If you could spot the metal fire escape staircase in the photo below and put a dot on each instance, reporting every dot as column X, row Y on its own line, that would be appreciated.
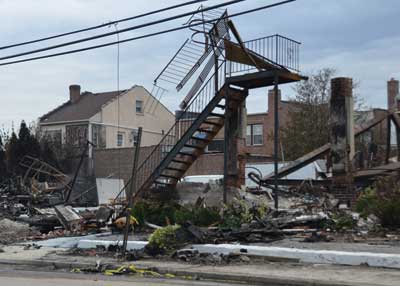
column 203, row 109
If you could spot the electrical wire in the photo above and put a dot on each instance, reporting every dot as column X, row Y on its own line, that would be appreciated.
column 152, row 23
column 102, row 25
column 146, row 35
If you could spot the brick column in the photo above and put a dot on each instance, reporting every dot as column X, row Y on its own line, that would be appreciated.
column 241, row 143
column 392, row 92
column 342, row 138
column 394, row 105
column 235, row 125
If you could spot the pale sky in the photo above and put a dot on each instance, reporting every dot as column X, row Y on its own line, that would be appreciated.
column 359, row 38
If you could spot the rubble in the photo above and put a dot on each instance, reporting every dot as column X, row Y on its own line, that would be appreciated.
column 69, row 218
column 11, row 231
column 193, row 256
column 307, row 213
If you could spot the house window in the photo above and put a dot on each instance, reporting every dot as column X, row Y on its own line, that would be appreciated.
column 139, row 106
column 95, row 135
column 76, row 135
column 134, row 137
column 217, row 145
column 120, row 139
column 98, row 136
column 254, row 135
column 53, row 136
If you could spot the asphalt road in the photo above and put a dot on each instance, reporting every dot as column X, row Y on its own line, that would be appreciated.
column 11, row 277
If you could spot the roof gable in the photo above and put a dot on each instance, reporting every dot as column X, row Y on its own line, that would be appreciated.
column 88, row 105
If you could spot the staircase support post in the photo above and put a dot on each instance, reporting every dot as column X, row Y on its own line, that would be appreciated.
column 234, row 134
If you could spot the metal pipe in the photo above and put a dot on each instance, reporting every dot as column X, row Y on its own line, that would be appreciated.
column 276, row 139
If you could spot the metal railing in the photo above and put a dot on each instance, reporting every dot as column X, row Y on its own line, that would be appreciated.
column 277, row 49
column 182, row 124
column 194, row 51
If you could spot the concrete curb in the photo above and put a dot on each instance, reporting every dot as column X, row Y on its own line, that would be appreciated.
column 334, row 257
column 202, row 275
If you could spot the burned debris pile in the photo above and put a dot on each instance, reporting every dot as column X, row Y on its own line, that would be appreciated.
column 35, row 202
column 34, row 208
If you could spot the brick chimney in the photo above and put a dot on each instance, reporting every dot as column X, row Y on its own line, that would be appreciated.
column 392, row 92
column 74, row 93
column 271, row 100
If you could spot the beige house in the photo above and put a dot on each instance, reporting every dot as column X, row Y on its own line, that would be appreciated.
column 107, row 119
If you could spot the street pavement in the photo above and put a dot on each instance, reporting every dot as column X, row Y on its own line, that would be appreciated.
column 11, row 277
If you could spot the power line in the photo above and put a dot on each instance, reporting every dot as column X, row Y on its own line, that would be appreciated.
column 146, row 35
column 102, row 25
column 152, row 23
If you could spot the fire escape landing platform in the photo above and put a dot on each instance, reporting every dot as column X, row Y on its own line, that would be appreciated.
column 264, row 78
column 260, row 71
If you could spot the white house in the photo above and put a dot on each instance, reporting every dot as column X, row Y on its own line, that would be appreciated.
column 107, row 119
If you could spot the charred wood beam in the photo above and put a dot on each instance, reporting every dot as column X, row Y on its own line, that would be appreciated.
column 324, row 150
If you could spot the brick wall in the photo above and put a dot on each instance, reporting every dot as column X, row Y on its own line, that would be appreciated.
column 267, row 119
column 266, row 150
column 112, row 162
column 116, row 163
column 207, row 164
column 106, row 163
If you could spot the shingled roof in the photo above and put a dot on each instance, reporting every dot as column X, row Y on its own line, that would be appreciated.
column 88, row 105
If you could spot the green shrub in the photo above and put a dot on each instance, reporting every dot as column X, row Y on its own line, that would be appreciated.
column 163, row 240
column 383, row 201
column 139, row 212
column 344, row 221
column 198, row 215
column 236, row 214
column 159, row 213
column 183, row 215
column 367, row 202
column 206, row 216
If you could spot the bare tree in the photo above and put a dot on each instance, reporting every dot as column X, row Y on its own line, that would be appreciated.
column 307, row 127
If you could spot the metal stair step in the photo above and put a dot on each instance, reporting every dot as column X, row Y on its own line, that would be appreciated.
column 212, row 123
column 181, row 161
column 203, row 130
column 187, row 154
column 162, row 183
column 176, row 169
column 217, row 115
column 169, row 176
column 200, row 139
column 193, row 146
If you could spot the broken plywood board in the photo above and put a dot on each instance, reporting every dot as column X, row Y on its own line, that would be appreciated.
column 235, row 53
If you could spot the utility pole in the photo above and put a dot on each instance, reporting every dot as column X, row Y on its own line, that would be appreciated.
column 132, row 191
